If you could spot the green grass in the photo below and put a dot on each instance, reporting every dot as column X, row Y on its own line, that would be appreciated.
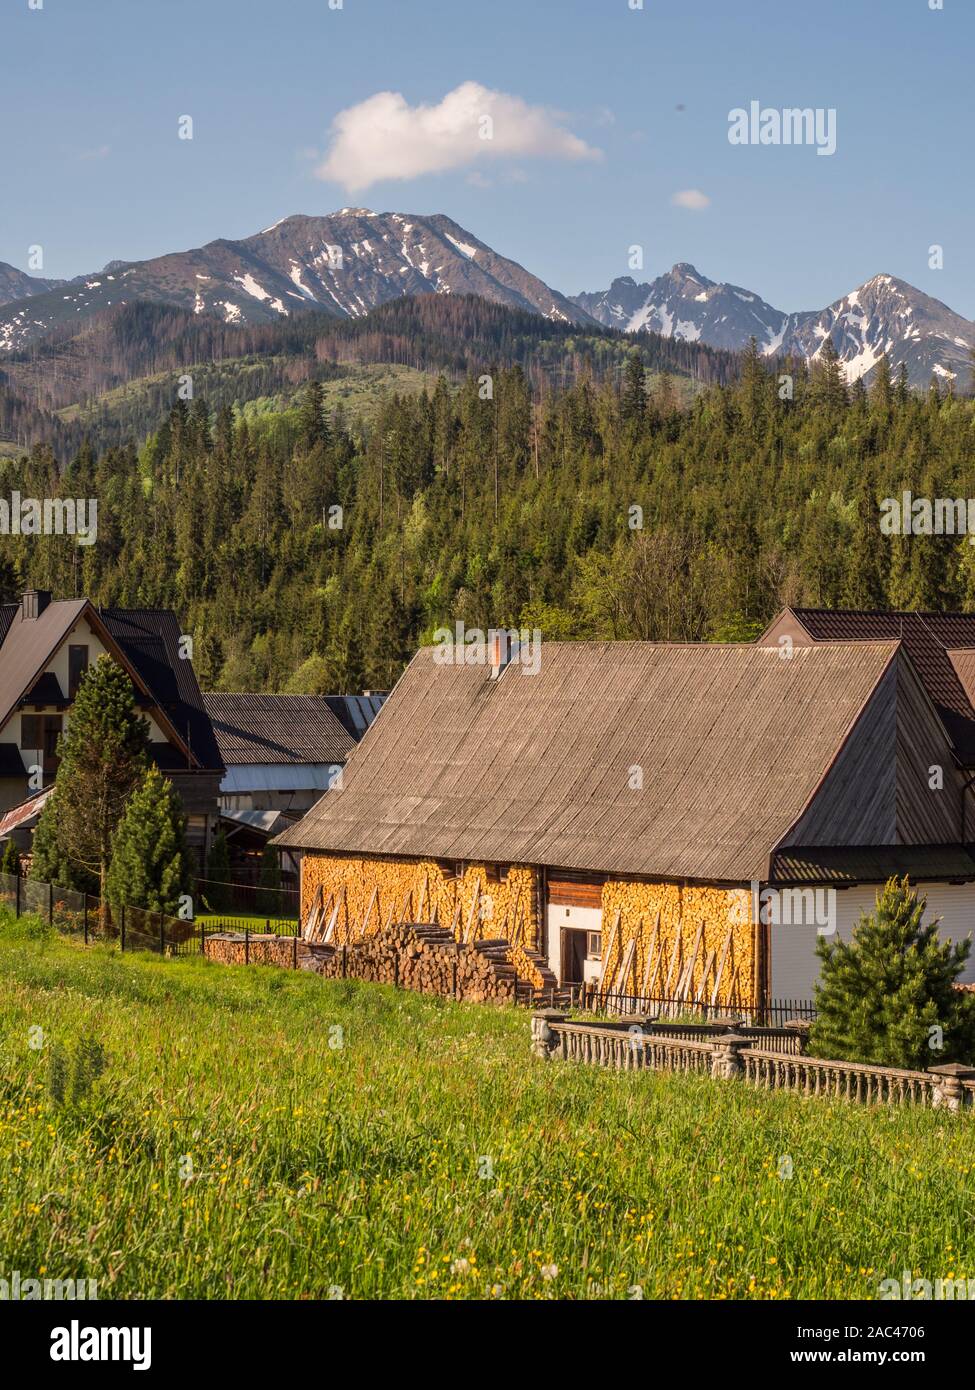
column 213, row 921
column 427, row 1156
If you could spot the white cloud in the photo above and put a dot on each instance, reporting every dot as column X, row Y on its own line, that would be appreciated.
column 691, row 198
column 386, row 138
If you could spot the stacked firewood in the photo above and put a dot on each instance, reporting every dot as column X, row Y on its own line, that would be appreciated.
column 424, row 958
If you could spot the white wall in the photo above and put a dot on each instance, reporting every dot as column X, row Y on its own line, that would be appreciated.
column 558, row 916
column 795, row 965
column 80, row 635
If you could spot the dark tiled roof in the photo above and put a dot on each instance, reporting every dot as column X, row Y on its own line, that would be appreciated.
column 11, row 763
column 356, row 712
column 46, row 690
column 150, row 638
column 855, row 864
column 277, row 729
column 928, row 639
column 8, row 611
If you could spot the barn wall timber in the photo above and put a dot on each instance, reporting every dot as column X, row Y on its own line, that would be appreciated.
column 420, row 890
column 689, row 941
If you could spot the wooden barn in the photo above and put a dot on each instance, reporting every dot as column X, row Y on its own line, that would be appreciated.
column 677, row 821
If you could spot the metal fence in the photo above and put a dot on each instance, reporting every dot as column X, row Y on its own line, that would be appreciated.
column 773, row 1014
column 84, row 915
column 250, row 899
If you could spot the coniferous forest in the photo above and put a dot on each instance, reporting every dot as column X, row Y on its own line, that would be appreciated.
column 309, row 550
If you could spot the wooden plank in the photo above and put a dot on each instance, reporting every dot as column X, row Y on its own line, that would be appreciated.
column 340, row 900
column 673, row 958
column 651, row 955
column 470, row 916
column 724, row 956
column 421, row 901
column 687, row 974
column 626, row 965
column 612, row 938
column 708, row 965
column 365, row 920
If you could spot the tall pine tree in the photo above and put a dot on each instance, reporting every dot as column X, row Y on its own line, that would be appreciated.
column 102, row 759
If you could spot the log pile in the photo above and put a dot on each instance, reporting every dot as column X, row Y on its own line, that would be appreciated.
column 234, row 948
column 427, row 959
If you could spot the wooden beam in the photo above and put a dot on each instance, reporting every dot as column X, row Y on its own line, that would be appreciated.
column 470, row 916
column 724, row 956
column 651, row 955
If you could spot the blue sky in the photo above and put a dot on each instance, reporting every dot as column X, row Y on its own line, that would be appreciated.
column 92, row 168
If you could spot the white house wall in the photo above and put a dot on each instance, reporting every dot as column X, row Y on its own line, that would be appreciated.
column 795, row 965
column 80, row 635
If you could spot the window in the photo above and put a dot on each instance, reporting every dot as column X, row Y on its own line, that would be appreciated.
column 41, row 732
column 30, row 730
column 77, row 666
column 594, row 945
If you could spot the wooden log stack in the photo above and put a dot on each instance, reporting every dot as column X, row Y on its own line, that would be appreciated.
column 427, row 959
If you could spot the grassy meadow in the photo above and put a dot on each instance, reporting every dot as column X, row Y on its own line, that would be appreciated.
column 255, row 1133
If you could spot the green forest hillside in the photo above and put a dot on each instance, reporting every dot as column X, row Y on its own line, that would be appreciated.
column 313, row 547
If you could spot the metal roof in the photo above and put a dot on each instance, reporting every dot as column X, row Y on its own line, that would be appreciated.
column 356, row 712
column 731, row 743
column 277, row 777
column 24, row 814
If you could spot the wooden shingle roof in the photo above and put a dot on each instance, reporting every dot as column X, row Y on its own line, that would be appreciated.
column 624, row 757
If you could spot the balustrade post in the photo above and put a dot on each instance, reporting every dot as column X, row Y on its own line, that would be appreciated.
column 949, row 1092
column 544, row 1040
column 726, row 1061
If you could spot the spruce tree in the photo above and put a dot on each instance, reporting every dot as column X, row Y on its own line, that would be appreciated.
column 269, row 899
column 10, row 862
column 887, row 996
column 218, row 874
column 150, row 865
column 312, row 425
column 633, row 397
column 102, row 759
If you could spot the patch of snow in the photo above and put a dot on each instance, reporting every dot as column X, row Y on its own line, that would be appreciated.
column 248, row 283
column 688, row 330
column 231, row 312
column 296, row 277
column 463, row 247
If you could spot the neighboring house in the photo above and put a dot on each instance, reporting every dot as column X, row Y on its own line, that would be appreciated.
column 280, row 751
column 47, row 645
column 658, row 815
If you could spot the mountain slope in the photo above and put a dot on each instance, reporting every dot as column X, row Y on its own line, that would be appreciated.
column 885, row 315
column 17, row 284
column 345, row 264
column 686, row 304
